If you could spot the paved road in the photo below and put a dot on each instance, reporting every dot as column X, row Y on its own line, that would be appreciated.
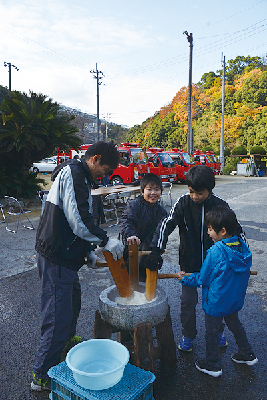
column 19, row 307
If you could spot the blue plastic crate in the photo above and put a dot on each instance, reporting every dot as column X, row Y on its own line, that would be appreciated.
column 136, row 384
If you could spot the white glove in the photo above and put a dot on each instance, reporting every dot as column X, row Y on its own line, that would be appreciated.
column 116, row 248
column 92, row 259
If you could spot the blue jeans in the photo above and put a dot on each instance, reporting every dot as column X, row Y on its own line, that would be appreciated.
column 60, row 308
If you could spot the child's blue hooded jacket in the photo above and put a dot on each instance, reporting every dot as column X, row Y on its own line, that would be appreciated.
column 224, row 278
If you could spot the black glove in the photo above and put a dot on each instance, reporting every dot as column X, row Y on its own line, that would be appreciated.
column 126, row 253
column 154, row 261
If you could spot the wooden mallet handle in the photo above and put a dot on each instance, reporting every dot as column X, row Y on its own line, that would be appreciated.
column 166, row 276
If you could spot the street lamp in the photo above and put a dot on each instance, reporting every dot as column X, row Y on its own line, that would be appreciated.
column 9, row 65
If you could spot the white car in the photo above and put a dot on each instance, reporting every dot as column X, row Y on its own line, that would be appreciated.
column 45, row 165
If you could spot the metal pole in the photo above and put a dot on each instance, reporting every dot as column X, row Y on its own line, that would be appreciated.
column 9, row 65
column 97, row 100
column 9, row 74
column 192, row 142
column 190, row 139
column 222, row 126
column 107, row 128
column 99, row 75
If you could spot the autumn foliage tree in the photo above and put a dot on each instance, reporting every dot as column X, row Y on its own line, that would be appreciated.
column 245, row 114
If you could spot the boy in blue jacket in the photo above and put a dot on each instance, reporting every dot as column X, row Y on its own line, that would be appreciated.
column 224, row 279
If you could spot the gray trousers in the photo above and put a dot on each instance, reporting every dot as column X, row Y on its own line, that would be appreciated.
column 60, row 308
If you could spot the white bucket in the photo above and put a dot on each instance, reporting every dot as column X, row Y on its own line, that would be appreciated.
column 97, row 364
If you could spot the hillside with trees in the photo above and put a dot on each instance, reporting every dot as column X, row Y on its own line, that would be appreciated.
column 245, row 119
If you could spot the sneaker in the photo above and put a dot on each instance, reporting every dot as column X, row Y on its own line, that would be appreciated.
column 71, row 343
column 185, row 344
column 222, row 340
column 203, row 366
column 40, row 384
column 239, row 358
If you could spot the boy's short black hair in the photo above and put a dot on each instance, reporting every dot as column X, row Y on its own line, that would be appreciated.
column 222, row 217
column 152, row 179
column 108, row 152
column 200, row 177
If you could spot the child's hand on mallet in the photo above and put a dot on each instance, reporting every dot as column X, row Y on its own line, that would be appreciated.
column 132, row 239
column 181, row 275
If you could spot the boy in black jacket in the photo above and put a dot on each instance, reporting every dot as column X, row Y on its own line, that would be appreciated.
column 188, row 214
column 141, row 217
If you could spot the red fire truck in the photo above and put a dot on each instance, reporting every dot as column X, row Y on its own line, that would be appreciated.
column 201, row 158
column 63, row 155
column 182, row 163
column 160, row 163
column 217, row 164
column 133, row 164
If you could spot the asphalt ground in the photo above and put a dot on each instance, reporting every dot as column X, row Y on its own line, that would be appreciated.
column 20, row 308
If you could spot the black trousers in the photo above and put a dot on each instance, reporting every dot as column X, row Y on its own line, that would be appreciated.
column 189, row 300
column 213, row 329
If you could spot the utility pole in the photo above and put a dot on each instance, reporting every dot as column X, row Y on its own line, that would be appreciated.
column 99, row 75
column 222, row 127
column 190, row 138
column 107, row 126
column 9, row 65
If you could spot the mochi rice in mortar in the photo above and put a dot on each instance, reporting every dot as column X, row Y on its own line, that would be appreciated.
column 136, row 299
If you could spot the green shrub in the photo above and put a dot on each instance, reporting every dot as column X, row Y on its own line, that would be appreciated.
column 230, row 165
column 257, row 150
column 226, row 152
column 207, row 148
column 239, row 150
column 14, row 183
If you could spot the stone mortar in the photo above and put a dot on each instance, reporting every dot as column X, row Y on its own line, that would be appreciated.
column 125, row 317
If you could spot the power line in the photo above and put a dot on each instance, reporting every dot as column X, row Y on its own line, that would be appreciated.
column 148, row 68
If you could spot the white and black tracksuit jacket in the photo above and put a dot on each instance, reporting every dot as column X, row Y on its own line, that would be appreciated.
column 194, row 239
column 66, row 230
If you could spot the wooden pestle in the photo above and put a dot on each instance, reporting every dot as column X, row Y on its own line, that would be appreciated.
column 134, row 265
column 119, row 274
column 151, row 284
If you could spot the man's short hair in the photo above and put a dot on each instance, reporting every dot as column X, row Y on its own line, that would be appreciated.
column 221, row 217
column 200, row 177
column 108, row 152
column 151, row 179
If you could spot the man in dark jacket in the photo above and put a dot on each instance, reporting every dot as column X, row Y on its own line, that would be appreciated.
column 65, row 234
column 141, row 217
column 188, row 214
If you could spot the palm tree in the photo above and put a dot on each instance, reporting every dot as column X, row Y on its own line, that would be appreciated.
column 31, row 127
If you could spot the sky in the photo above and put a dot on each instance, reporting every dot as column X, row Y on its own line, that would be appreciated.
column 138, row 45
